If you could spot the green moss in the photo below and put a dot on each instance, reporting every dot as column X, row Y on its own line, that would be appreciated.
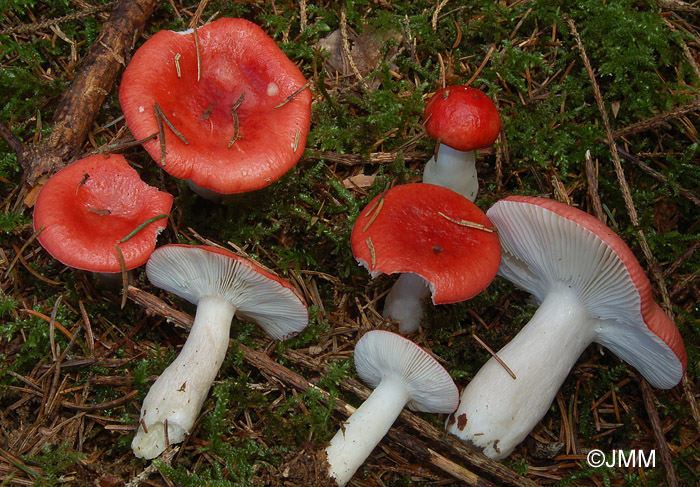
column 54, row 461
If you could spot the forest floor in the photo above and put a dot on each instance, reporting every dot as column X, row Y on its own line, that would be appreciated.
column 600, row 110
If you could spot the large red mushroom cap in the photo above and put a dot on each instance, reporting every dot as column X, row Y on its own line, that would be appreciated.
column 430, row 231
column 223, row 87
column 87, row 207
column 462, row 117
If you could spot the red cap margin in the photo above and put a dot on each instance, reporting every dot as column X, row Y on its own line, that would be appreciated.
column 416, row 228
column 91, row 204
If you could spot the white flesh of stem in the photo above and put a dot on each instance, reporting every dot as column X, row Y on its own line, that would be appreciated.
column 358, row 436
column 177, row 395
column 455, row 170
column 405, row 301
column 497, row 412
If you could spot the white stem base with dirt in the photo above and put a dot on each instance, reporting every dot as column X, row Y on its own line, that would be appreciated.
column 176, row 397
column 497, row 412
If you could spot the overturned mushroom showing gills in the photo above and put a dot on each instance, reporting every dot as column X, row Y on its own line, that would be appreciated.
column 462, row 119
column 94, row 204
column 590, row 288
column 231, row 110
column 402, row 374
column 221, row 284
column 439, row 241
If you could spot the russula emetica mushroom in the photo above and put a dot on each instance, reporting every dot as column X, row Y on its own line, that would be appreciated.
column 439, row 241
column 230, row 109
column 221, row 284
column 401, row 374
column 92, row 205
column 462, row 119
column 590, row 288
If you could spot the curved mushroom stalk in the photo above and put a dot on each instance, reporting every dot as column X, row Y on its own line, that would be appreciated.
column 405, row 301
column 453, row 169
column 358, row 436
column 496, row 412
column 176, row 397
column 402, row 374
column 220, row 283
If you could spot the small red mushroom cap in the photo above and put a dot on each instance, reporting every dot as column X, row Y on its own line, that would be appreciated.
column 422, row 228
column 224, row 91
column 87, row 207
column 462, row 117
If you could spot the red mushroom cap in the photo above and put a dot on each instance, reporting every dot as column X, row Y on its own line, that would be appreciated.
column 420, row 228
column 462, row 117
column 91, row 204
column 236, row 58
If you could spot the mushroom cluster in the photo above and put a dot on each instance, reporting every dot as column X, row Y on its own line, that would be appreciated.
column 222, row 107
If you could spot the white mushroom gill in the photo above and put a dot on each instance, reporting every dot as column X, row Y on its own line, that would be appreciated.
column 573, row 267
column 402, row 374
column 221, row 284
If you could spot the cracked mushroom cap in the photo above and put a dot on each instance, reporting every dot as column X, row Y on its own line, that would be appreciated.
column 89, row 206
column 462, row 117
column 225, row 104
column 423, row 228
column 192, row 272
column 382, row 353
column 546, row 242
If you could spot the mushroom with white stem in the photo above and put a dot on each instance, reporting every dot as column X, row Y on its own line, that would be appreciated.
column 439, row 241
column 462, row 119
column 590, row 288
column 221, row 284
column 402, row 374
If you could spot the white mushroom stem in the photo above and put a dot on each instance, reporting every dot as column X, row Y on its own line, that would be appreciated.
column 405, row 301
column 358, row 436
column 496, row 412
column 206, row 193
column 453, row 169
column 176, row 397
